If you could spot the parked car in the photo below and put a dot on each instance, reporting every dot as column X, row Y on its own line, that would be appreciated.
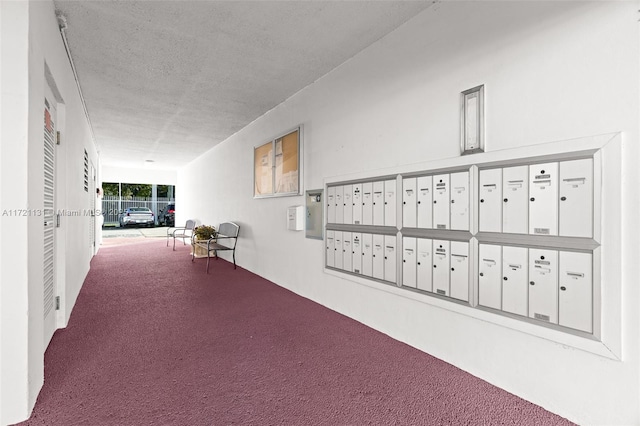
column 167, row 216
column 137, row 216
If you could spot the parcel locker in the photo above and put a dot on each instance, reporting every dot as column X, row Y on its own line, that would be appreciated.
column 441, row 202
column 367, row 255
column 490, row 200
column 515, row 274
column 543, row 285
column 459, row 278
column 390, row 203
column 490, row 276
column 347, row 252
column 409, row 257
column 459, row 201
column 331, row 204
column 441, row 267
column 378, row 256
column 338, row 250
column 543, row 199
column 339, row 204
column 515, row 200
column 575, row 300
column 356, row 201
column 347, row 202
column 356, row 252
column 378, row 203
column 409, row 205
column 425, row 202
column 367, row 203
column 576, row 198
column 331, row 247
column 390, row 242
column 424, row 264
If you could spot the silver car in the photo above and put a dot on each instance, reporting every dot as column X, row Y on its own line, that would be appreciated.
column 137, row 216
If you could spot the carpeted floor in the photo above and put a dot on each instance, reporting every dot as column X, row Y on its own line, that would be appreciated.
column 153, row 340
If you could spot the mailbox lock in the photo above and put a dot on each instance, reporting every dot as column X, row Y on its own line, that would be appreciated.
column 563, row 198
column 404, row 202
column 385, row 257
column 542, row 172
column 385, row 202
column 435, row 202
column 418, row 202
column 505, row 200
column 505, row 278
column 481, row 274
column 404, row 261
column 453, row 201
column 541, row 257
column 434, row 266
column 532, row 283
column 418, row 263
column 482, row 200
column 563, row 288
column 532, row 199
column 452, row 269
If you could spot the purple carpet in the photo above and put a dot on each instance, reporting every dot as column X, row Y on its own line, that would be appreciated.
column 154, row 340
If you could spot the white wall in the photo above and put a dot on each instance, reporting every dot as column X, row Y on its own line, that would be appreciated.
column 142, row 175
column 30, row 39
column 552, row 71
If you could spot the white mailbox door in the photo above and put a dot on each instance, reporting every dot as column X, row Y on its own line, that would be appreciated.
column 425, row 202
column 543, row 285
column 409, row 255
column 576, row 198
column 390, row 204
column 515, row 284
column 356, row 252
column 441, row 267
column 339, row 204
column 460, row 201
column 367, row 255
column 515, row 200
column 390, row 257
column 347, row 203
column 378, row 203
column 543, row 199
column 331, row 249
column 409, row 203
column 347, row 252
column 441, row 202
column 357, row 203
column 331, row 204
column 576, row 291
column 367, row 203
column 490, row 200
column 338, row 249
column 460, row 270
column 425, row 264
column 490, row 276
column 378, row 256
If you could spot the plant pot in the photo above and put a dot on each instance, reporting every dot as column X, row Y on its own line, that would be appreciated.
column 199, row 250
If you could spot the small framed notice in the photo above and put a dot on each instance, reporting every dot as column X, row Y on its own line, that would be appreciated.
column 276, row 166
column 472, row 120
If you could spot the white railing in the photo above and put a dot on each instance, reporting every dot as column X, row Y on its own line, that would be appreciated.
column 113, row 205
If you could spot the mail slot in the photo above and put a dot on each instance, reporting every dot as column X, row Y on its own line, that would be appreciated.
column 331, row 204
column 441, row 202
column 390, row 203
column 424, row 265
column 543, row 199
column 347, row 204
column 515, row 200
column 409, row 203
column 356, row 252
column 459, row 279
column 441, row 267
column 356, row 201
column 576, row 198
column 390, row 261
column 515, row 285
column 576, row 291
column 378, row 203
column 425, row 202
column 339, row 204
column 347, row 252
column 490, row 276
column 490, row 200
column 459, row 201
column 330, row 248
column 338, row 250
column 367, row 255
column 543, row 285
column 409, row 263
column 367, row 203
column 378, row 256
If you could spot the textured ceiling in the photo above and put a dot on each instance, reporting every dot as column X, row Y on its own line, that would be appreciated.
column 166, row 81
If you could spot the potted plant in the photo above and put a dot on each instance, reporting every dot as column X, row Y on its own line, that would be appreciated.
column 201, row 234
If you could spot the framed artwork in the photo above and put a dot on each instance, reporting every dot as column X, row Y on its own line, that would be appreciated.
column 472, row 120
column 276, row 166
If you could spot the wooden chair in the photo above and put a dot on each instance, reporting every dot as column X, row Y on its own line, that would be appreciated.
column 185, row 232
column 227, row 233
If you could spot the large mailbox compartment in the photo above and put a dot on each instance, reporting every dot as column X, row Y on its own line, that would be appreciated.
column 543, row 199
column 338, row 261
column 441, row 202
column 378, row 257
column 575, row 298
column 459, row 201
column 390, row 205
column 490, row 276
column 390, row 258
column 515, row 284
column 441, row 256
column 409, row 203
column 459, row 278
column 356, row 202
column 331, row 204
column 515, row 200
column 367, row 255
column 409, row 262
column 339, row 204
column 347, row 204
column 576, row 198
column 331, row 249
column 347, row 252
column 378, row 203
column 543, row 285
column 356, row 252
column 424, row 264
column 490, row 196
column 367, row 203
column 425, row 202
